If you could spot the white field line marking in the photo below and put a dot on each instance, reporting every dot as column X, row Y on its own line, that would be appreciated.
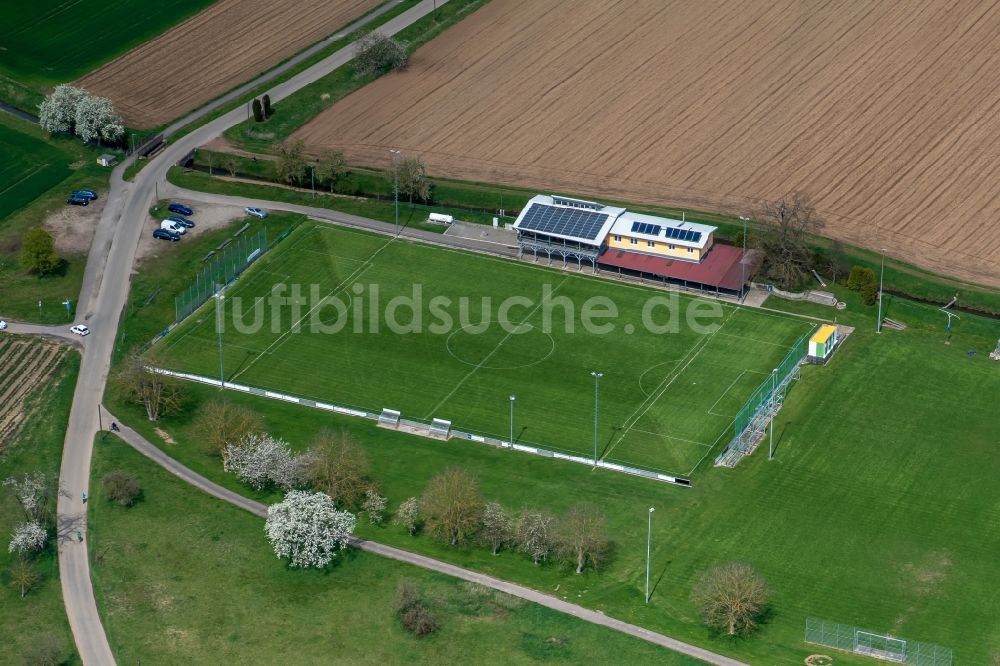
column 662, row 389
column 369, row 263
column 709, row 451
column 725, row 393
column 762, row 342
column 490, row 355
column 679, row 439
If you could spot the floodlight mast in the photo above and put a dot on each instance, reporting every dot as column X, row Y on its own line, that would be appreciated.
column 218, row 329
column 649, row 539
column 511, row 440
column 395, row 184
column 597, row 377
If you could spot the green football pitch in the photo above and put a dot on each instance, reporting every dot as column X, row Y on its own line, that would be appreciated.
column 486, row 329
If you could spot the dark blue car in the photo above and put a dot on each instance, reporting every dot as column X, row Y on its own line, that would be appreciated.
column 85, row 194
column 180, row 209
column 77, row 201
column 163, row 234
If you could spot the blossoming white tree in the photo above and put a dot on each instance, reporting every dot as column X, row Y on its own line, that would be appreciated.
column 96, row 119
column 408, row 515
column 34, row 492
column 57, row 112
column 307, row 528
column 71, row 109
column 374, row 506
column 260, row 460
column 27, row 537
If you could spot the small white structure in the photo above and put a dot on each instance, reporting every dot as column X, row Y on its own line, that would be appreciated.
column 107, row 160
column 440, row 218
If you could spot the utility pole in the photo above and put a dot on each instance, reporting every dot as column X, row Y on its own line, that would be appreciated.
column 395, row 184
column 743, row 259
column 878, row 324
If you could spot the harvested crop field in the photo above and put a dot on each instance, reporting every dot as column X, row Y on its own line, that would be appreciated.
column 223, row 46
column 24, row 364
column 884, row 114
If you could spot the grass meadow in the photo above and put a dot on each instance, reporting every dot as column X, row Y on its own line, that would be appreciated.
column 31, row 166
column 666, row 399
column 184, row 578
column 38, row 447
column 50, row 41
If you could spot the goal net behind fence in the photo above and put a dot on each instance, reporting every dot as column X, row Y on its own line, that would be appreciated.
column 880, row 646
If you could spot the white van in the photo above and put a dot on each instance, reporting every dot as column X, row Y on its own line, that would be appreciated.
column 170, row 225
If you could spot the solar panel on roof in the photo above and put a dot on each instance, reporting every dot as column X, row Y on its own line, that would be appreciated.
column 583, row 224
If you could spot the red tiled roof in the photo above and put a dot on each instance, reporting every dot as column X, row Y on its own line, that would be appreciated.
column 720, row 268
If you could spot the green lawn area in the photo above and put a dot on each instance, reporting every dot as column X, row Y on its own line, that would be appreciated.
column 875, row 511
column 31, row 166
column 35, row 184
column 667, row 397
column 38, row 447
column 183, row 577
column 51, row 41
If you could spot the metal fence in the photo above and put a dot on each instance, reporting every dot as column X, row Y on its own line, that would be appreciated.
column 763, row 404
column 880, row 646
column 230, row 260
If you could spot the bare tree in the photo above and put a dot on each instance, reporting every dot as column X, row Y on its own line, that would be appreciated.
column 452, row 505
column 497, row 527
column 46, row 649
column 290, row 167
column 23, row 576
column 412, row 175
column 378, row 53
column 408, row 515
column 535, row 534
column 338, row 466
column 731, row 598
column 158, row 393
column 230, row 164
column 331, row 167
column 220, row 423
column 582, row 536
column 788, row 223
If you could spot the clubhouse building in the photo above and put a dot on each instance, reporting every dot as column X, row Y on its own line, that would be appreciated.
column 646, row 246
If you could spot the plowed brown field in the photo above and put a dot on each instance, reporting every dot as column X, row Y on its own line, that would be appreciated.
column 229, row 43
column 886, row 114
column 24, row 364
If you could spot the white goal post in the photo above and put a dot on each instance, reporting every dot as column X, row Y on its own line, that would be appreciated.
column 880, row 646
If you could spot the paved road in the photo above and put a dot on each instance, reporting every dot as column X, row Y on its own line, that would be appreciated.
column 60, row 332
column 102, row 298
column 143, row 446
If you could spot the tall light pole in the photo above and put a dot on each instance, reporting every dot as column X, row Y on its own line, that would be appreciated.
column 774, row 388
column 512, row 399
column 743, row 259
column 649, row 539
column 597, row 377
column 395, row 185
column 881, row 276
column 218, row 330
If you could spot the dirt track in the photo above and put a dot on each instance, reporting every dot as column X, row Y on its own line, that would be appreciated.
column 228, row 43
column 885, row 114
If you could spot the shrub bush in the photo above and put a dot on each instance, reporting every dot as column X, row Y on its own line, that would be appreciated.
column 859, row 277
column 414, row 614
column 121, row 488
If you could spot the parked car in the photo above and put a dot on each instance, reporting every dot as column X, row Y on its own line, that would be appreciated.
column 180, row 209
column 163, row 234
column 80, row 329
column 183, row 221
column 78, row 201
column 170, row 225
column 86, row 194
column 255, row 212
column 3, row 325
